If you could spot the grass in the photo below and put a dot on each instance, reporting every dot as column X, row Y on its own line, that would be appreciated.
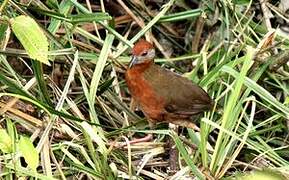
column 77, row 113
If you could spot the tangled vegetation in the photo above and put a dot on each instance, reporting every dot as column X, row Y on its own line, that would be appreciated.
column 67, row 113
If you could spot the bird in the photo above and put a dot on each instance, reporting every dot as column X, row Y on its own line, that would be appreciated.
column 163, row 95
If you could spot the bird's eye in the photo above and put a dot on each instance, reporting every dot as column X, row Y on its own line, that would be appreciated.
column 144, row 53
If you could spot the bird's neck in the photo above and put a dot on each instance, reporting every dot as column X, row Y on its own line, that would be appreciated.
column 141, row 67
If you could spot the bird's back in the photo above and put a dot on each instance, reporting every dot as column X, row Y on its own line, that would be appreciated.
column 181, row 95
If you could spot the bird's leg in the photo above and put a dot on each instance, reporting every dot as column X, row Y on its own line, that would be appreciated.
column 147, row 137
column 139, row 140
column 144, row 139
column 173, row 152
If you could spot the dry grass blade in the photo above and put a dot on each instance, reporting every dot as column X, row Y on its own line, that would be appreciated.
column 77, row 116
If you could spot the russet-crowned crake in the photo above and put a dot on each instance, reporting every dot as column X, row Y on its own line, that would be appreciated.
column 162, row 95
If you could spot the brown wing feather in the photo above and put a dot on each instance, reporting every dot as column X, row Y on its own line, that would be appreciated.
column 182, row 96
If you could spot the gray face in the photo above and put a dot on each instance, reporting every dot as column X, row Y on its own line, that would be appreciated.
column 146, row 55
column 143, row 57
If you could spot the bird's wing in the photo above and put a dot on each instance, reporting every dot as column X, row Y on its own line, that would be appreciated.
column 181, row 95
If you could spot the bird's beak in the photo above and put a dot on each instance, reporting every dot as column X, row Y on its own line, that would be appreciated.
column 132, row 61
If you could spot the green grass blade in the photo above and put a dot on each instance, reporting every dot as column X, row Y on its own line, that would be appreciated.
column 39, row 74
column 227, row 120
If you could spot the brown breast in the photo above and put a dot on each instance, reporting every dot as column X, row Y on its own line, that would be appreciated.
column 141, row 90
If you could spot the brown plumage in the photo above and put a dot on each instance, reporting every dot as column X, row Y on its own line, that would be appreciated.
column 163, row 96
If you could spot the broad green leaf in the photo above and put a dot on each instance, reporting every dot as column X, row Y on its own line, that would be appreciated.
column 29, row 152
column 5, row 142
column 31, row 37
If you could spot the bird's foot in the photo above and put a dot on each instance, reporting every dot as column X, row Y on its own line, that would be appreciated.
column 185, row 123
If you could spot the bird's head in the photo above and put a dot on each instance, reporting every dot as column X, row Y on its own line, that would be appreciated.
column 142, row 52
